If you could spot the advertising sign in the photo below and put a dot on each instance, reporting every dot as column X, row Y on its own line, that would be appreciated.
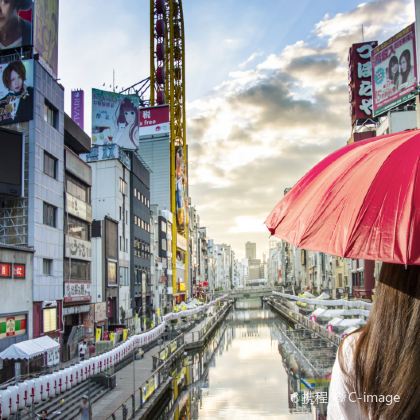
column 76, row 291
column 115, row 119
column 394, row 71
column 16, row 91
column 79, row 249
column 78, row 107
column 360, row 84
column 53, row 356
column 100, row 311
column 17, row 24
column 46, row 33
column 12, row 325
column 180, row 189
column 78, row 208
column 154, row 120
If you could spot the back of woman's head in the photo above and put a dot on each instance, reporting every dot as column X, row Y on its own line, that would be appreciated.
column 387, row 354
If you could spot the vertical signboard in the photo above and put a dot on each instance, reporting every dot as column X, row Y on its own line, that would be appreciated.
column 114, row 119
column 180, row 189
column 360, row 84
column 16, row 24
column 78, row 107
column 16, row 91
column 394, row 71
column 46, row 34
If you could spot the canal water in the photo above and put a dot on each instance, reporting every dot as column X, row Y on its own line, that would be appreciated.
column 243, row 375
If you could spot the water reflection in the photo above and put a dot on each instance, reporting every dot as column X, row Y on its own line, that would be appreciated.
column 240, row 374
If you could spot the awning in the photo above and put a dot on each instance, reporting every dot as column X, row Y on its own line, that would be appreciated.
column 29, row 348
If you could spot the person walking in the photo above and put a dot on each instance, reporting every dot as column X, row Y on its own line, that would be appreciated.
column 376, row 372
column 85, row 409
column 82, row 350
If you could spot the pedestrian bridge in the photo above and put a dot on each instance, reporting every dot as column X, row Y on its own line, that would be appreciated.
column 254, row 291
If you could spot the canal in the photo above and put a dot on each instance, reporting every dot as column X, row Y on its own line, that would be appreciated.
column 241, row 373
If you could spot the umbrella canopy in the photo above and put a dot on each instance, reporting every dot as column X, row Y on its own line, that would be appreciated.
column 29, row 348
column 362, row 201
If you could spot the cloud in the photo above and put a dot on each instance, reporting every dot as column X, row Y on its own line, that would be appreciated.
column 261, row 129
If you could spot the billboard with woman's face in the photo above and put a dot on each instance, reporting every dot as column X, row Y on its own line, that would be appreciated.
column 115, row 119
column 394, row 71
column 15, row 24
column 16, row 91
column 180, row 189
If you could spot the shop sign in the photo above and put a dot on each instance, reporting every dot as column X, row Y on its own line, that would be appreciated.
column 78, row 249
column 53, row 356
column 100, row 311
column 71, row 310
column 181, row 242
column 12, row 325
column 9, row 270
column 76, row 292
column 78, row 208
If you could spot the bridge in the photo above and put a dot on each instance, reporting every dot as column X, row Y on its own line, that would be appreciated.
column 253, row 291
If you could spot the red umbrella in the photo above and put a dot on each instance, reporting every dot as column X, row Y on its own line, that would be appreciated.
column 362, row 201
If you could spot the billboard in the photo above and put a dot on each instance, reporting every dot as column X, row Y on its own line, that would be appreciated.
column 78, row 107
column 16, row 91
column 360, row 85
column 16, row 24
column 114, row 119
column 394, row 70
column 46, row 33
column 180, row 189
column 11, row 163
column 154, row 120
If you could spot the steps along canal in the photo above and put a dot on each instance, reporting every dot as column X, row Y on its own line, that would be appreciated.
column 256, row 366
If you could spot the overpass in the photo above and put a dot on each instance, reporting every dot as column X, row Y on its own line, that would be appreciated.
column 253, row 291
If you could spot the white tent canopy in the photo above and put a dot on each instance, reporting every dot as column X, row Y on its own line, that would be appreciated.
column 29, row 348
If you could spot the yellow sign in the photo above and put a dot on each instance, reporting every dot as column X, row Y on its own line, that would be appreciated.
column 125, row 334
column 112, row 336
column 98, row 334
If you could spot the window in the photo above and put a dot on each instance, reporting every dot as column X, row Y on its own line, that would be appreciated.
column 120, row 243
column 123, row 186
column 49, row 215
column 51, row 114
column 340, row 280
column 135, row 219
column 112, row 273
column 124, row 280
column 135, row 192
column 126, row 217
column 50, row 165
column 47, row 267
column 163, row 245
column 77, row 228
column 120, row 212
column 50, row 319
column 77, row 189
column 76, row 270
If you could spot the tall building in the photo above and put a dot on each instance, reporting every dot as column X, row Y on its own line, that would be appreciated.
column 251, row 250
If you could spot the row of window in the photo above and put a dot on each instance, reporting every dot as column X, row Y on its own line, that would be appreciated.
column 137, row 194
column 78, row 189
column 141, row 249
column 141, row 224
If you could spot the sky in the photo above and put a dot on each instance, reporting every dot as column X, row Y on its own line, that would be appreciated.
column 266, row 88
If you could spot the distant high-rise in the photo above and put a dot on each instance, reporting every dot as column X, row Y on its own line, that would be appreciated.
column 251, row 250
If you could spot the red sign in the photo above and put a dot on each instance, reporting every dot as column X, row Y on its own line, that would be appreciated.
column 5, row 270
column 19, row 271
column 154, row 120
column 360, row 83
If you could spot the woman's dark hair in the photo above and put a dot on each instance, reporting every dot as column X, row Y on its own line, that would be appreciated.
column 127, row 106
column 16, row 66
column 21, row 4
column 393, row 76
column 404, row 74
column 387, row 355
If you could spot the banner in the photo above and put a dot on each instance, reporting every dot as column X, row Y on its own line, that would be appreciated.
column 125, row 334
column 394, row 71
column 78, row 107
column 360, row 84
column 16, row 91
column 180, row 189
column 16, row 25
column 154, row 120
column 114, row 119
column 46, row 34
column 98, row 334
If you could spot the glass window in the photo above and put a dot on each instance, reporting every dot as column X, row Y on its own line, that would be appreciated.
column 77, row 189
column 77, row 228
column 50, row 114
column 47, row 267
column 123, row 186
column 163, row 226
column 112, row 272
column 50, row 165
column 49, row 216
column 163, row 244
column 76, row 270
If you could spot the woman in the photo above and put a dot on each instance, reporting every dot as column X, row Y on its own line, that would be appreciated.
column 127, row 122
column 14, row 31
column 393, row 71
column 19, row 100
column 376, row 372
column 405, row 65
